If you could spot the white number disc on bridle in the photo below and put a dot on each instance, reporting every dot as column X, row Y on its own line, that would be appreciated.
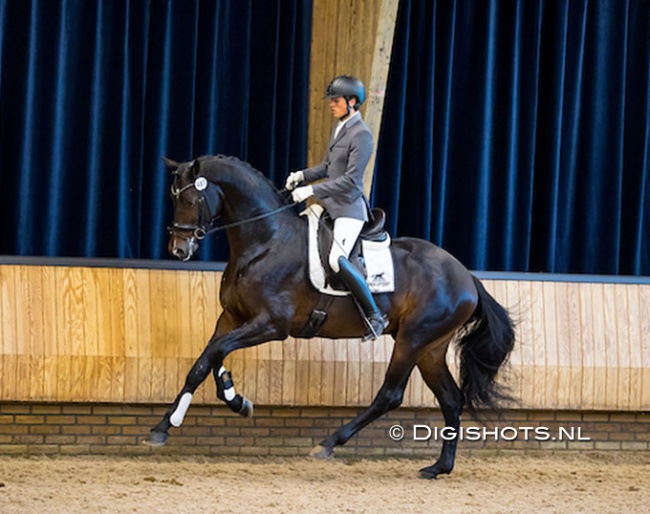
column 200, row 183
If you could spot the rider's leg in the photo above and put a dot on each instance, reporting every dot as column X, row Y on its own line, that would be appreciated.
column 346, row 232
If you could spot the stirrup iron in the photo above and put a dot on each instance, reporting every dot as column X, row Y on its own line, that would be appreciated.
column 375, row 332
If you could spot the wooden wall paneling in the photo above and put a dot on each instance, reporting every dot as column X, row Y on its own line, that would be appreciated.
column 91, row 320
column 157, row 379
column 115, row 349
column 137, row 329
column 315, row 358
column 173, row 326
column 94, row 318
column 339, row 397
column 512, row 373
column 524, row 325
column 610, row 344
column 328, row 371
column 277, row 369
column 213, row 310
column 538, row 344
column 144, row 382
column 289, row 370
column 86, row 335
column 249, row 373
column 172, row 382
column 366, row 391
column 634, row 359
column 354, row 371
column 622, row 335
column 64, row 344
column 7, row 330
column 552, row 364
column 169, row 313
column 302, row 392
column 235, row 365
column 263, row 395
column 190, row 341
column 40, row 346
column 644, row 303
column 526, row 344
column 574, row 338
column 587, row 345
column 103, row 348
column 31, row 314
column 379, row 362
column 136, row 311
column 601, row 383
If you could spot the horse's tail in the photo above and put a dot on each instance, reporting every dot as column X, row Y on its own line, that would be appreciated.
column 487, row 341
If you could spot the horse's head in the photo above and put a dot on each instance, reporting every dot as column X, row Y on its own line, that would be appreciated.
column 197, row 204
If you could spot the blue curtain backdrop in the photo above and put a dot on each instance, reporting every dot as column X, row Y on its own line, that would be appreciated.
column 93, row 93
column 516, row 134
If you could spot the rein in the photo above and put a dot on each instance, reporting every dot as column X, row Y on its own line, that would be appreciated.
column 244, row 222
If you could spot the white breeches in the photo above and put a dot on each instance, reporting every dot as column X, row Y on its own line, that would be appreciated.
column 346, row 232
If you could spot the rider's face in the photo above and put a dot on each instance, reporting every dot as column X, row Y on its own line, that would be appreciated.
column 338, row 106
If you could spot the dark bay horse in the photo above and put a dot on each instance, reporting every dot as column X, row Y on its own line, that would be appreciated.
column 266, row 295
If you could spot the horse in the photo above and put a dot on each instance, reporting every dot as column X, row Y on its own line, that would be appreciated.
column 266, row 295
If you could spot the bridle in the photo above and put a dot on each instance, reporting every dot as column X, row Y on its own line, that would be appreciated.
column 206, row 218
column 203, row 228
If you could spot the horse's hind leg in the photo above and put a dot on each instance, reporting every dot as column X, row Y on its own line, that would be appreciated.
column 388, row 398
column 437, row 376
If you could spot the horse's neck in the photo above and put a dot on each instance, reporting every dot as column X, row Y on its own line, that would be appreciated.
column 247, row 195
column 247, row 239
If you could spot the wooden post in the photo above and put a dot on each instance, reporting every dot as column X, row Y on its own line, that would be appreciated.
column 379, row 78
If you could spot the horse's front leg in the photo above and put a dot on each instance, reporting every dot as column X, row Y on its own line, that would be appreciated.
column 254, row 332
column 227, row 394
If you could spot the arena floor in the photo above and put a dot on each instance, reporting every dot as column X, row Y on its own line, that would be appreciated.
column 595, row 483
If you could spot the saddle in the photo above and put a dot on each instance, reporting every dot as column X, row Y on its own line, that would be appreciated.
column 373, row 230
column 377, row 263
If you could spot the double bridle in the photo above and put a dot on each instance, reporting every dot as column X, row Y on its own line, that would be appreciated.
column 203, row 228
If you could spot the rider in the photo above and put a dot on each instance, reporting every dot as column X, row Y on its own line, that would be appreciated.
column 345, row 161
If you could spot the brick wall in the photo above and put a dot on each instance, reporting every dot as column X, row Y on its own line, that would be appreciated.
column 45, row 428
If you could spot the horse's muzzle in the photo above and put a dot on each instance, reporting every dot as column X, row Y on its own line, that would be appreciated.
column 182, row 249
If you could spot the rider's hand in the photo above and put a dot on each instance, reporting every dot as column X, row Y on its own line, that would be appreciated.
column 294, row 179
column 302, row 193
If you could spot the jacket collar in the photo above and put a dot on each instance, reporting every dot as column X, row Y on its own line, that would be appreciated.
column 349, row 123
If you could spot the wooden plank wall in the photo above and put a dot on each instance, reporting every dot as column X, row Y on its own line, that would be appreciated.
column 131, row 335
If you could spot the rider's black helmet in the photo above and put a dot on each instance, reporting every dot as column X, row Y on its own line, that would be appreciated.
column 347, row 87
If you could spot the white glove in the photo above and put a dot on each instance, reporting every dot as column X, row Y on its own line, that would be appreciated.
column 302, row 193
column 294, row 179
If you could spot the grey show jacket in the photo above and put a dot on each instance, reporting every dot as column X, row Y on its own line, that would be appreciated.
column 344, row 165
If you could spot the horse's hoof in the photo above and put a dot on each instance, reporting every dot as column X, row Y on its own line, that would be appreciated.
column 321, row 452
column 156, row 439
column 432, row 472
column 247, row 410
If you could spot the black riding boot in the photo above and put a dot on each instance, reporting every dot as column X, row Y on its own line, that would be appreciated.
column 358, row 286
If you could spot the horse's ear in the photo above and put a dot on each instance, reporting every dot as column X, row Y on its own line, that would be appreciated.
column 171, row 165
column 194, row 168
